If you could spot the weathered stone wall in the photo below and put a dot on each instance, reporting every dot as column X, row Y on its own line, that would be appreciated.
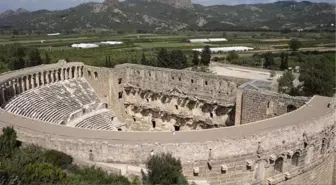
column 259, row 105
column 214, row 88
column 166, row 95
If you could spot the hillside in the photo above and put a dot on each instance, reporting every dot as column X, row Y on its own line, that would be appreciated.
column 172, row 15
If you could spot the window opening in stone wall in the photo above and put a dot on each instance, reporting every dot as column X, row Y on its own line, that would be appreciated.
column 95, row 75
column 134, row 119
column 270, row 108
column 278, row 164
column 177, row 128
column 119, row 80
column 153, row 124
column 192, row 81
column 323, row 146
column 211, row 114
column 120, row 95
column 291, row 108
column 119, row 129
column 173, row 78
column 295, row 159
column 180, row 79
column 112, row 118
column 176, row 107
column 206, row 82
column 89, row 73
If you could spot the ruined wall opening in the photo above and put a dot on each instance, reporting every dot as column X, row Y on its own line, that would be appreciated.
column 120, row 95
column 119, row 80
column 291, row 108
column 270, row 108
column 89, row 74
column 295, row 159
column 95, row 75
column 192, row 81
column 323, row 146
column 278, row 166
column 176, row 107
column 153, row 124
column 177, row 128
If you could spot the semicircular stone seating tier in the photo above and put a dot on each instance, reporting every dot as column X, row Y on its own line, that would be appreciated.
column 54, row 102
column 101, row 121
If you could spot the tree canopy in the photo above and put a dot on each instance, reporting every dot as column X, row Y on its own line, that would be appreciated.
column 165, row 169
column 232, row 55
column 286, row 82
column 206, row 56
column 318, row 75
column 295, row 44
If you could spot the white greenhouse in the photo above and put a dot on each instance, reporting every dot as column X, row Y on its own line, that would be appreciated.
column 83, row 45
column 226, row 49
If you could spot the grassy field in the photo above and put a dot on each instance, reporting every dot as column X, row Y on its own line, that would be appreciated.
column 59, row 47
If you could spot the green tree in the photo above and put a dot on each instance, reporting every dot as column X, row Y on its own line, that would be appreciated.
column 144, row 60
column 196, row 60
column 294, row 44
column 232, row 55
column 163, row 59
column 318, row 75
column 47, row 59
column 269, row 60
column 284, row 61
column 206, row 56
column 34, row 57
column 286, row 82
column 165, row 169
column 178, row 60
column 8, row 142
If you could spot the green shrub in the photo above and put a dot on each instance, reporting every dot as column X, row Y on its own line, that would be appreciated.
column 57, row 158
column 43, row 173
column 95, row 176
column 8, row 142
column 164, row 169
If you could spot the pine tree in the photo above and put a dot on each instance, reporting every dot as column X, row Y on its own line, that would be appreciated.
column 284, row 61
column 206, row 56
column 163, row 59
column 269, row 61
column 195, row 59
column 47, row 59
column 35, row 57
column 143, row 60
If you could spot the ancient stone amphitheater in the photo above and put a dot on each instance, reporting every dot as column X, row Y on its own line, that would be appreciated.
column 225, row 130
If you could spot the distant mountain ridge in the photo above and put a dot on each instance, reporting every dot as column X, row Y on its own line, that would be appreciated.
column 173, row 15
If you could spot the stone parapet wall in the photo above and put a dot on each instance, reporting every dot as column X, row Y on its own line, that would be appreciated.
column 260, row 105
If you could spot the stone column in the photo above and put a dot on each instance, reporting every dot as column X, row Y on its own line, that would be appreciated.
column 52, row 74
column 76, row 72
column 239, row 106
column 27, row 83
column 13, row 86
column 37, row 79
column 18, row 86
column 46, row 75
column 32, row 80
column 23, row 84
column 42, row 78
column 2, row 95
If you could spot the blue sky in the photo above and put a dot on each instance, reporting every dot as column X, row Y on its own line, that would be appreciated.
column 62, row 4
